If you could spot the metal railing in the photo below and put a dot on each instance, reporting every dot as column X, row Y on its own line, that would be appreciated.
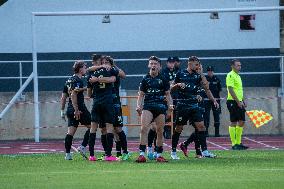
column 22, row 86
column 20, row 77
column 137, row 12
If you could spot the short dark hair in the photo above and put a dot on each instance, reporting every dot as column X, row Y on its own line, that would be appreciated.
column 78, row 65
column 210, row 68
column 96, row 57
column 234, row 61
column 176, row 58
column 170, row 59
column 155, row 58
column 193, row 59
column 108, row 58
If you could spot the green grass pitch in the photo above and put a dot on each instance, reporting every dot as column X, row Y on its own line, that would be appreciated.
column 232, row 169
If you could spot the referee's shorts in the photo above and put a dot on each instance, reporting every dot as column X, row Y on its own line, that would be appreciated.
column 236, row 113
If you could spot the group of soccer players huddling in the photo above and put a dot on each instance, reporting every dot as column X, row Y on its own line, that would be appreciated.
column 161, row 94
column 103, row 81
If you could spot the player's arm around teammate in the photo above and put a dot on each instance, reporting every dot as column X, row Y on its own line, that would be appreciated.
column 103, row 110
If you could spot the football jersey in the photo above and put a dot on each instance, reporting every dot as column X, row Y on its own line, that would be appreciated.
column 72, row 83
column 168, row 74
column 154, row 89
column 102, row 92
column 192, row 83
column 235, row 81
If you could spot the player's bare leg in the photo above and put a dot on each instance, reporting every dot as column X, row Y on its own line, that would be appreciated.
column 68, row 141
column 146, row 119
column 201, row 135
column 110, row 137
column 92, row 141
column 123, row 142
column 175, row 139
column 152, row 138
column 160, row 123
column 82, row 148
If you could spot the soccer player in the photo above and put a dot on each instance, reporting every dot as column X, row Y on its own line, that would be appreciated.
column 97, row 64
column 77, row 111
column 177, row 63
column 175, row 93
column 64, row 96
column 101, row 84
column 187, row 82
column 121, row 141
column 153, row 89
column 193, row 137
column 169, row 72
column 215, row 88
column 236, row 105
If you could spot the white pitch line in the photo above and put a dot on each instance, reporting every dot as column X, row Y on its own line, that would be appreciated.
column 5, row 147
column 75, row 149
column 30, row 152
column 52, row 150
column 40, row 149
column 35, row 146
column 266, row 145
column 165, row 144
column 25, row 148
column 224, row 148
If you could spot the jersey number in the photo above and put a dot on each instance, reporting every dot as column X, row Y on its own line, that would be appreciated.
column 102, row 85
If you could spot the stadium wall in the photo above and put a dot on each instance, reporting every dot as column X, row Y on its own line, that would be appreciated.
column 61, row 38
column 18, row 122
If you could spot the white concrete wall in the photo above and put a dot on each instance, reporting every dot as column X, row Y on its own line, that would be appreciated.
column 19, row 120
column 133, row 33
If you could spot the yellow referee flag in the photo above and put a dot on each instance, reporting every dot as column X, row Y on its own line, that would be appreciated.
column 259, row 117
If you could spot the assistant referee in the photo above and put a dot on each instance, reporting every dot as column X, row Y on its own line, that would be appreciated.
column 236, row 105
